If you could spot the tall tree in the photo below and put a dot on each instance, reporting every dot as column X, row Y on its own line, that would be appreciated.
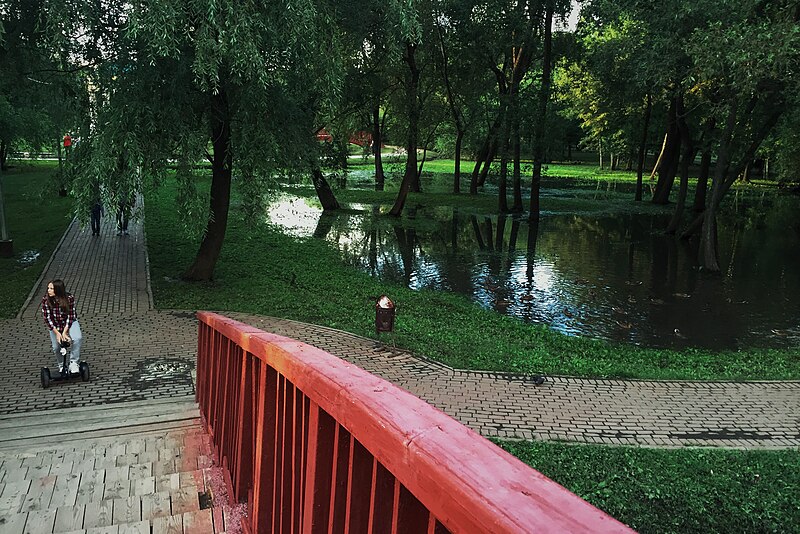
column 751, row 56
column 183, row 79
column 544, row 97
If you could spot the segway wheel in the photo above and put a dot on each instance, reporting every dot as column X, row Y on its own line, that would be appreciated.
column 84, row 368
column 45, row 376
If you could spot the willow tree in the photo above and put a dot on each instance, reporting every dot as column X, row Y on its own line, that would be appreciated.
column 751, row 57
column 180, row 81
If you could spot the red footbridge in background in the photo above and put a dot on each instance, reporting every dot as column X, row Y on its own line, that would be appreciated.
column 315, row 444
column 360, row 138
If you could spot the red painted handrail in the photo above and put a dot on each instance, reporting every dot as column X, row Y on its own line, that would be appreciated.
column 316, row 444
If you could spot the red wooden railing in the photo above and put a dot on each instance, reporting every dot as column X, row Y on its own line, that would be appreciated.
column 315, row 444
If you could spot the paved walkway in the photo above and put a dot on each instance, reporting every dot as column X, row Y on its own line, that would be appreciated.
column 139, row 353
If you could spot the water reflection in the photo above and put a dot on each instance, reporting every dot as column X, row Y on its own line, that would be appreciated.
column 614, row 278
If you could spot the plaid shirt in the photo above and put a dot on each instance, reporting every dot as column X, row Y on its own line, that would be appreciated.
column 55, row 317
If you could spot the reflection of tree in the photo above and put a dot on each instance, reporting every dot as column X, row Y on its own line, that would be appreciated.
column 372, row 256
column 324, row 224
column 405, row 241
column 512, row 244
column 530, row 256
column 501, row 230
column 454, row 231
column 487, row 222
column 477, row 229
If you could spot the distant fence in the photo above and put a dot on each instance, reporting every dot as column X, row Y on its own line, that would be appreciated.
column 315, row 444
column 33, row 155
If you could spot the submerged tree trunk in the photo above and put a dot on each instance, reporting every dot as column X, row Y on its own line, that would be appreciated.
column 544, row 96
column 643, row 148
column 412, row 88
column 221, row 170
column 324, row 191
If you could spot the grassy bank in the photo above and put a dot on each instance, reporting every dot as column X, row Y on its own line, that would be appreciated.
column 666, row 490
column 36, row 217
column 265, row 272
column 677, row 491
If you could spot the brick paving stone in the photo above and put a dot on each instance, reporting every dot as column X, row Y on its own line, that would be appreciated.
column 139, row 353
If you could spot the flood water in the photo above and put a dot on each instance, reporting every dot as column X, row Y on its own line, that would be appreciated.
column 617, row 278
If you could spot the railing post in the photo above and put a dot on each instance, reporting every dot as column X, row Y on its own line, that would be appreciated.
column 243, row 474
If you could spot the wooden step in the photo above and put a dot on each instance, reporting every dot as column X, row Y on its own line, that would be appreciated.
column 60, row 427
column 129, row 468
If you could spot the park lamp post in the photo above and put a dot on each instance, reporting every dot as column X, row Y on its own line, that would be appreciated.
column 6, row 244
column 384, row 315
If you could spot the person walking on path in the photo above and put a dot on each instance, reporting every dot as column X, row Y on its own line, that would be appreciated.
column 126, row 204
column 97, row 213
column 61, row 319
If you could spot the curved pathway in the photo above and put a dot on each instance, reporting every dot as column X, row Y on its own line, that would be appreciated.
column 138, row 353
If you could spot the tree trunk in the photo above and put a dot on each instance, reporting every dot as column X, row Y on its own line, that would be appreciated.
column 324, row 191
column 745, row 177
column 457, row 120
column 482, row 153
column 600, row 151
column 702, row 182
column 517, row 179
column 660, row 158
column 671, row 157
column 457, row 171
column 544, row 97
column 3, row 156
column 643, row 148
column 502, row 186
column 410, row 174
column 221, row 169
column 377, row 141
column 686, row 159
column 487, row 164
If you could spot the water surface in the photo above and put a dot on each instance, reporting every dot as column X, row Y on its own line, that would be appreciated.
column 617, row 278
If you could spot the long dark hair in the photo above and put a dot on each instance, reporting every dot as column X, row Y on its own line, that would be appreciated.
column 60, row 297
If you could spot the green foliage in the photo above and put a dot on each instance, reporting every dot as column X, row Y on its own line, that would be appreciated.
column 677, row 490
column 38, row 101
column 36, row 218
column 266, row 272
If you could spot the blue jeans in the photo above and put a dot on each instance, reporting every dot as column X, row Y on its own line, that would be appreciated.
column 75, row 348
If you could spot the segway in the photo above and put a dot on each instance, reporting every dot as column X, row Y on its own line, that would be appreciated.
column 64, row 373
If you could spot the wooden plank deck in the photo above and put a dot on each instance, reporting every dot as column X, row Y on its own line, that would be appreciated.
column 133, row 468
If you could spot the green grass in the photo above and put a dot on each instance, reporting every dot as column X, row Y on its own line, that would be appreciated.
column 584, row 171
column 263, row 271
column 677, row 490
column 36, row 217
column 555, row 201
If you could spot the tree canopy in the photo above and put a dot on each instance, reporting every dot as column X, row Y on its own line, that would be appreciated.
column 243, row 88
